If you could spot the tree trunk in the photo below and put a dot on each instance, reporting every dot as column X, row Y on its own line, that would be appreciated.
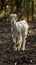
column 32, row 10
column 18, row 5
column 3, row 4
column 11, row 5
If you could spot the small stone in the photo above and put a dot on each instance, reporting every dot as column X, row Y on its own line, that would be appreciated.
column 15, row 63
column 30, row 60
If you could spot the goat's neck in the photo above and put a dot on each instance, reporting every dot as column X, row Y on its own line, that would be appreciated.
column 14, row 22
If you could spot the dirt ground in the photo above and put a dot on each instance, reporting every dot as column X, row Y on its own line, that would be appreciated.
column 10, row 57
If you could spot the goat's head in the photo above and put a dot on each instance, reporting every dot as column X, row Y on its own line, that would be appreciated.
column 13, row 17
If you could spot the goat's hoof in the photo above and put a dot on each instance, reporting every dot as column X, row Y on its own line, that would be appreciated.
column 14, row 49
column 22, row 49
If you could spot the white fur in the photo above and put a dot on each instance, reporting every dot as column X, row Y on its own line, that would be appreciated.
column 20, row 27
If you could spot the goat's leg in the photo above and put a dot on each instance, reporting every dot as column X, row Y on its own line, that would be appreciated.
column 15, row 48
column 19, row 42
column 23, row 46
column 14, row 41
column 24, row 36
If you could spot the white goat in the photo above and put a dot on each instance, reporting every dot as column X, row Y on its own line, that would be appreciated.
column 19, row 32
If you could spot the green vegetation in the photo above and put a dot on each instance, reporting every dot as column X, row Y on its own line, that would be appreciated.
column 27, row 8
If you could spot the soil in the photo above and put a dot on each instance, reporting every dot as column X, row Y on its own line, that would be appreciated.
column 10, row 57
